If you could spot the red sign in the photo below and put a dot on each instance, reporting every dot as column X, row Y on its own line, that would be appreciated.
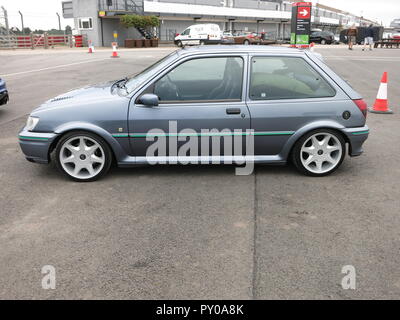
column 303, row 13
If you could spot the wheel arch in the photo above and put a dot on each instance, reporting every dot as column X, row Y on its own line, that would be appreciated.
column 114, row 146
column 287, row 149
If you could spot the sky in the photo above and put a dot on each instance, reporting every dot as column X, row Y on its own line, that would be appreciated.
column 41, row 14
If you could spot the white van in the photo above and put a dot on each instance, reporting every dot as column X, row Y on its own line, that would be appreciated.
column 199, row 34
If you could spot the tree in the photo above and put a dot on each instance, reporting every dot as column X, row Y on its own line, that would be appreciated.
column 68, row 30
column 140, row 22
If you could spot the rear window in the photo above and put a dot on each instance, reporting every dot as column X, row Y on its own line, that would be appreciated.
column 276, row 78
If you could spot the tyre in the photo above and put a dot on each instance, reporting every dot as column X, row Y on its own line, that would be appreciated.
column 179, row 44
column 323, row 41
column 246, row 42
column 83, row 156
column 319, row 152
column 202, row 43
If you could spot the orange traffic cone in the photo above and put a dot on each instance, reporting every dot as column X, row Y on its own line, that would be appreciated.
column 115, row 53
column 91, row 47
column 381, row 102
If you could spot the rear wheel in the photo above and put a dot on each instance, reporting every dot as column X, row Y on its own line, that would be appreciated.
column 323, row 41
column 246, row 42
column 179, row 44
column 83, row 156
column 319, row 153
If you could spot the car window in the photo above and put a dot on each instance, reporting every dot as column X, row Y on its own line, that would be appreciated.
column 202, row 79
column 186, row 32
column 274, row 78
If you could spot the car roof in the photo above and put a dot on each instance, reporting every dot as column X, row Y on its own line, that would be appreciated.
column 237, row 49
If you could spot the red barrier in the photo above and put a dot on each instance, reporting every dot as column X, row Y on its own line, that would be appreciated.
column 79, row 41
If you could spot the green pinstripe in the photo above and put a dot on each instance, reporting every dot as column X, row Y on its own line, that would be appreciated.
column 210, row 134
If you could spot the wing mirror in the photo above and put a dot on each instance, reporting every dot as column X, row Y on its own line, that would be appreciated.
column 149, row 100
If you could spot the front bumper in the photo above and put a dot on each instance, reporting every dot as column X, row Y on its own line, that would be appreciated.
column 36, row 145
column 356, row 137
column 4, row 97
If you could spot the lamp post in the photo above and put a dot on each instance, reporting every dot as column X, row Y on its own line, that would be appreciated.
column 22, row 21
column 59, row 21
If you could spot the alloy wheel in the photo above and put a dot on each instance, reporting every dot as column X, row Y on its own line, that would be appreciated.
column 321, row 153
column 82, row 157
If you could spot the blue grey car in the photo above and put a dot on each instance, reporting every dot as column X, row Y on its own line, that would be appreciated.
column 292, row 106
column 3, row 92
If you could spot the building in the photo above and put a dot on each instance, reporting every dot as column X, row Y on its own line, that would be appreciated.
column 395, row 25
column 99, row 19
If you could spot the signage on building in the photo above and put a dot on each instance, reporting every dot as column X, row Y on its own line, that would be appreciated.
column 301, row 23
column 102, row 14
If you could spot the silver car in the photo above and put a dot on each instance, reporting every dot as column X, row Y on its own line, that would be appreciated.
column 284, row 103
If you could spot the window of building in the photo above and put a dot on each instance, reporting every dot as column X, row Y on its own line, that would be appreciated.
column 276, row 78
column 85, row 23
column 204, row 79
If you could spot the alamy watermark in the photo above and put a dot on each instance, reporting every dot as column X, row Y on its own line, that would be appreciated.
column 49, row 280
column 349, row 280
column 197, row 149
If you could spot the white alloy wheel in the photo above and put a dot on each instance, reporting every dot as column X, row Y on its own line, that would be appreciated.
column 321, row 153
column 82, row 157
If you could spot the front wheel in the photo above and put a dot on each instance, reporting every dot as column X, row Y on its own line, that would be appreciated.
column 179, row 44
column 246, row 42
column 319, row 153
column 83, row 156
column 323, row 41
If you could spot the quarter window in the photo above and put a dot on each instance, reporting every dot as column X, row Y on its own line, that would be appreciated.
column 204, row 79
column 275, row 78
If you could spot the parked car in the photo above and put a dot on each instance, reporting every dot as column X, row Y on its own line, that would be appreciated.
column 267, row 39
column 199, row 34
column 322, row 37
column 247, row 38
column 293, row 105
column 227, row 38
column 3, row 92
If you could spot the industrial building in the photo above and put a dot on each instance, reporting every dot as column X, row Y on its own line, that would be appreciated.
column 98, row 20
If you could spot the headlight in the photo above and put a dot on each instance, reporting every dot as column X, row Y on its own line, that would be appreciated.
column 31, row 123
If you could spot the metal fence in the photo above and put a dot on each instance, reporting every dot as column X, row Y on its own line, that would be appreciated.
column 45, row 41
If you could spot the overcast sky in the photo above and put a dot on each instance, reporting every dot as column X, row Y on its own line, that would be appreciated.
column 41, row 14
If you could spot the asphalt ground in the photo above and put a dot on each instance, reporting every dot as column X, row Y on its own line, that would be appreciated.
column 197, row 232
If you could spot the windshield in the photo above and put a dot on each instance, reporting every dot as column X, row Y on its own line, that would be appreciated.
column 136, row 80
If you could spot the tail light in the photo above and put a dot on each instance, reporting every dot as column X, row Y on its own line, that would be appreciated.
column 361, row 104
column 177, row 34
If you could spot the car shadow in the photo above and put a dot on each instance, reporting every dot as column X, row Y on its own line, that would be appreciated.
column 197, row 170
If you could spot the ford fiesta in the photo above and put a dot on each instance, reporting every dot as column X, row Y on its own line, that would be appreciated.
column 287, row 101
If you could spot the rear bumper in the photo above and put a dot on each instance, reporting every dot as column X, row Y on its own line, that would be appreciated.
column 356, row 137
column 35, row 145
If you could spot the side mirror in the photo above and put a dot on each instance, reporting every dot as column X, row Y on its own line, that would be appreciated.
column 149, row 100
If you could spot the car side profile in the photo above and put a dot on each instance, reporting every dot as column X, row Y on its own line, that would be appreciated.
column 286, row 102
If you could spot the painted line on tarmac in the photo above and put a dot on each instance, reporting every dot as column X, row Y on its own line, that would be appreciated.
column 52, row 68
column 362, row 59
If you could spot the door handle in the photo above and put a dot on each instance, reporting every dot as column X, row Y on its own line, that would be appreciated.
column 233, row 111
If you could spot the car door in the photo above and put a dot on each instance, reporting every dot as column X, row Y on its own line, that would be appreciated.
column 186, row 37
column 196, row 93
column 285, row 94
